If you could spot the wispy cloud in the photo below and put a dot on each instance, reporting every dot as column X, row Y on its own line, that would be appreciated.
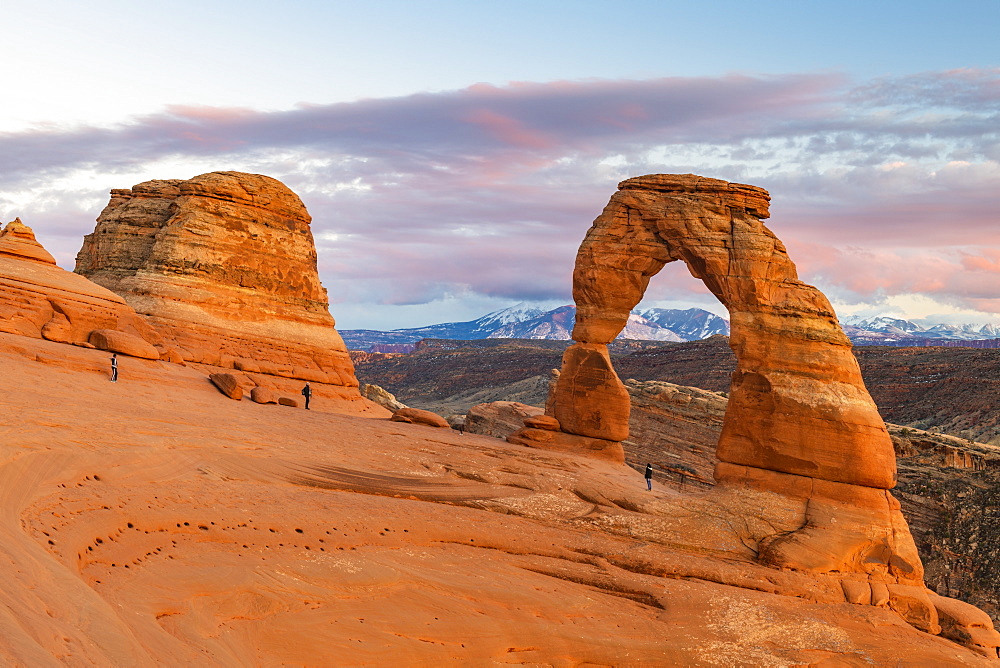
column 488, row 190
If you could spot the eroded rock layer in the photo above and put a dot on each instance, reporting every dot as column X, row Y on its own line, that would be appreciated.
column 224, row 266
column 41, row 300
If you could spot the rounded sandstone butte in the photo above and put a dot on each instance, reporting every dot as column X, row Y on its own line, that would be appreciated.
column 797, row 404
column 224, row 265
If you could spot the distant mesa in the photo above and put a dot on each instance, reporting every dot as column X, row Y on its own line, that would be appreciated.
column 223, row 265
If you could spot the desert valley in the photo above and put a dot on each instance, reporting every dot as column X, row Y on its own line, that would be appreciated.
column 194, row 513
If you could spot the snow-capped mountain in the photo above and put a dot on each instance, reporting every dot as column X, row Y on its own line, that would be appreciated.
column 558, row 325
column 480, row 328
column 523, row 321
column 690, row 324
column 883, row 323
column 505, row 316
column 892, row 329
column 529, row 322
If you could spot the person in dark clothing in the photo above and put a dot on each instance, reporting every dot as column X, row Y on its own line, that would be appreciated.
column 649, row 477
column 307, row 393
column 114, row 368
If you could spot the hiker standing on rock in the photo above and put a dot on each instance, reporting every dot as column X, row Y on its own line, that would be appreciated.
column 307, row 393
column 649, row 477
column 114, row 367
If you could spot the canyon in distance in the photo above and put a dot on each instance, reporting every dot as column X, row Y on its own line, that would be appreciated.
column 194, row 513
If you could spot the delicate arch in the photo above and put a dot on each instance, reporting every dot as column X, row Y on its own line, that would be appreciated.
column 797, row 403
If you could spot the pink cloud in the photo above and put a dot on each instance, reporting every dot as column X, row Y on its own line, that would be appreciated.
column 491, row 188
column 508, row 130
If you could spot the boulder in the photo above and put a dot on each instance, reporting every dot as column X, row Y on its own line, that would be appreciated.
column 381, row 396
column 966, row 625
column 546, row 422
column 171, row 355
column 263, row 395
column 419, row 416
column 228, row 384
column 547, row 439
column 125, row 344
column 189, row 254
column 499, row 419
column 288, row 401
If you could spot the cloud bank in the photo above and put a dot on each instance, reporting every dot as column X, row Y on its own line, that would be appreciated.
column 880, row 188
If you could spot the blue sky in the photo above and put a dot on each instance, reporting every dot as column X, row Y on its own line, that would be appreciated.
column 453, row 155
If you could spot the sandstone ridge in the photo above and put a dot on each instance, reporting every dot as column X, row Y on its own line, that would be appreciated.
column 801, row 435
column 41, row 300
column 224, row 266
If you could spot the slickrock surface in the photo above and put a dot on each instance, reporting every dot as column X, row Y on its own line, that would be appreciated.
column 155, row 522
column 224, row 266
column 41, row 300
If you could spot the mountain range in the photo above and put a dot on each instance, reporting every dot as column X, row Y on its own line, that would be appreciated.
column 888, row 329
column 523, row 321
column 526, row 322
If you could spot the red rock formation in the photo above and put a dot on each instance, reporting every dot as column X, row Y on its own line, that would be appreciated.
column 225, row 267
column 41, row 300
column 800, row 426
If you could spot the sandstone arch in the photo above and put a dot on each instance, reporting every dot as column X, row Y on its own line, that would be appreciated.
column 805, row 460
column 798, row 404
